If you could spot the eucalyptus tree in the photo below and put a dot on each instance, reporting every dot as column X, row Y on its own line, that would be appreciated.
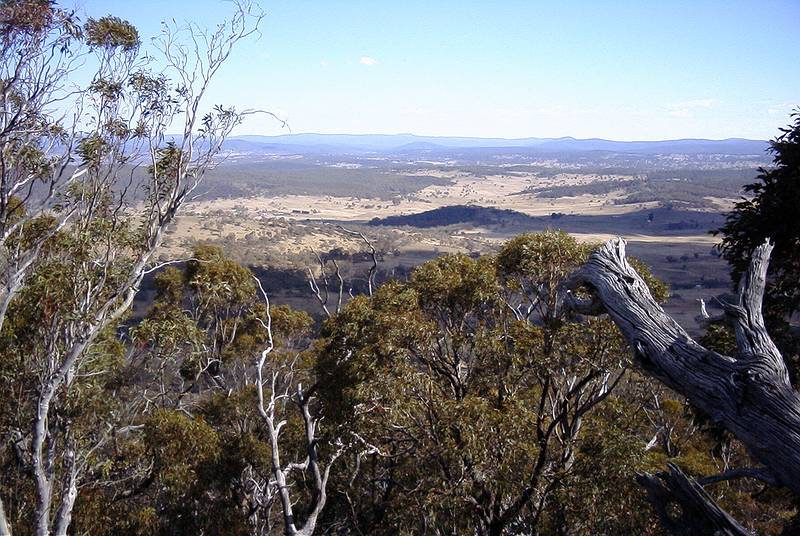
column 197, row 457
column 38, row 53
column 468, row 386
column 76, row 243
column 193, row 353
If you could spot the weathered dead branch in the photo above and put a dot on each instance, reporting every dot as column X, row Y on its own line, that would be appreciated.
column 749, row 393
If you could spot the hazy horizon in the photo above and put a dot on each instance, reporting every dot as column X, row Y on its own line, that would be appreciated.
column 614, row 70
column 313, row 133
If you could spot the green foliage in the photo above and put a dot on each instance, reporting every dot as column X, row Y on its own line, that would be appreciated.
column 27, row 159
column 194, row 472
column 206, row 316
column 447, row 384
column 768, row 214
column 550, row 257
column 40, row 326
column 111, row 32
column 169, row 286
column 658, row 289
column 20, row 19
column 189, row 486
column 165, row 171
column 455, row 284
column 222, row 282
column 180, row 447
column 600, row 496
column 719, row 336
column 79, row 410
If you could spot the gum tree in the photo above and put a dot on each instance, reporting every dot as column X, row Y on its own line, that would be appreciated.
column 468, row 387
column 67, row 205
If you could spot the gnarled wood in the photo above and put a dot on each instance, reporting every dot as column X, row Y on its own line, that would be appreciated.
column 685, row 508
column 749, row 394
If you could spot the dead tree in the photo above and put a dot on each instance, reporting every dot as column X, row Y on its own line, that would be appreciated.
column 749, row 394
column 373, row 254
column 323, row 292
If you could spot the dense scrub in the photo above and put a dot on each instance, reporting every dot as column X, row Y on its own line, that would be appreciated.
column 466, row 398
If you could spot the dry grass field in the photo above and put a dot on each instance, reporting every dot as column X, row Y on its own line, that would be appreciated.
column 289, row 227
column 269, row 218
column 286, row 232
column 510, row 191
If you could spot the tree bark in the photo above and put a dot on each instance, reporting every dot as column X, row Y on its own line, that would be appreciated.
column 5, row 529
column 696, row 513
column 749, row 394
column 69, row 489
column 42, row 462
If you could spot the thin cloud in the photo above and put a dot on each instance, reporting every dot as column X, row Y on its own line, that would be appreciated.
column 685, row 108
column 697, row 103
column 368, row 61
column 680, row 112
column 782, row 108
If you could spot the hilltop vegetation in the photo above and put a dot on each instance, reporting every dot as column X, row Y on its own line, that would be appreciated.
column 451, row 215
column 452, row 373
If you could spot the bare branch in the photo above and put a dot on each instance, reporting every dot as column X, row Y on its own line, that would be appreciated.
column 373, row 255
column 749, row 394
column 757, row 473
column 698, row 514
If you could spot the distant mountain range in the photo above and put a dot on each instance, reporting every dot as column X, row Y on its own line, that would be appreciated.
column 410, row 143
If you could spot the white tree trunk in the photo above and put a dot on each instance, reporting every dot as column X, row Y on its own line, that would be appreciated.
column 749, row 394
column 5, row 528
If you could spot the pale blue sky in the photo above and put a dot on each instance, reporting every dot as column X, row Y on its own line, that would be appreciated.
column 623, row 70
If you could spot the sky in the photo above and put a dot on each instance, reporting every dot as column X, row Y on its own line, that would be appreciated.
column 624, row 70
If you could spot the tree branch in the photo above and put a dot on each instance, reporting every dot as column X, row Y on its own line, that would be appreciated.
column 685, row 508
column 750, row 395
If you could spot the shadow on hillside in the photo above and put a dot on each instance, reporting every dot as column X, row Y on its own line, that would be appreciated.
column 658, row 221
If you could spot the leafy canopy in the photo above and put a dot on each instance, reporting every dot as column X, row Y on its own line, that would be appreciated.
column 772, row 214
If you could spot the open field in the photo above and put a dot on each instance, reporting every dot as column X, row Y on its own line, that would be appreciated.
column 523, row 192
column 279, row 217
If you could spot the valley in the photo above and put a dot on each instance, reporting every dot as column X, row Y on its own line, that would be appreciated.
column 278, row 207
